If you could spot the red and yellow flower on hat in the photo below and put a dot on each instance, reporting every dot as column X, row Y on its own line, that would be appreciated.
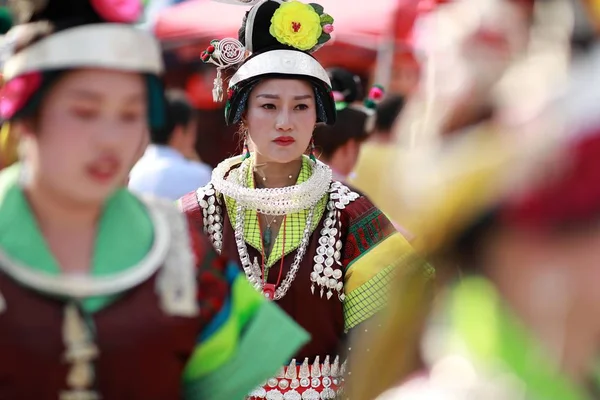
column 299, row 25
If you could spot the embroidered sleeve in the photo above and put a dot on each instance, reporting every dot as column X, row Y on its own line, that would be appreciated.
column 238, row 347
column 373, row 250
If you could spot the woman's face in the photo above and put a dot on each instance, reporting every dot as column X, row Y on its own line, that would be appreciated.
column 281, row 117
column 89, row 132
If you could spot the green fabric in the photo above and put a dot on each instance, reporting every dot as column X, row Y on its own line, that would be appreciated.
column 368, row 299
column 125, row 234
column 269, row 341
column 341, row 105
column 294, row 223
column 221, row 346
column 492, row 333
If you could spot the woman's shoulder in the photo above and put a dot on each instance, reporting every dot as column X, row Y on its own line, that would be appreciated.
column 355, row 206
column 206, row 196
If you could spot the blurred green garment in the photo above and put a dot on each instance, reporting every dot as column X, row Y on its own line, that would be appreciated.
column 476, row 348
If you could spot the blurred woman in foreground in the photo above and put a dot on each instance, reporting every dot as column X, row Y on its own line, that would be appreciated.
column 104, row 294
column 518, row 225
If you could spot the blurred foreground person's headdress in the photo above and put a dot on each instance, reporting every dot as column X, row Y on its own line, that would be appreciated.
column 276, row 39
column 52, row 36
column 491, row 73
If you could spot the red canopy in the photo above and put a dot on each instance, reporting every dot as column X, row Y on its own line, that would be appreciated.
column 360, row 24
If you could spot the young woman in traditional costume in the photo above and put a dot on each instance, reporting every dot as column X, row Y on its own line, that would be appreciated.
column 323, row 252
column 104, row 294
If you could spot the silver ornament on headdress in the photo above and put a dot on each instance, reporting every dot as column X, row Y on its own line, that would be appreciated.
column 228, row 52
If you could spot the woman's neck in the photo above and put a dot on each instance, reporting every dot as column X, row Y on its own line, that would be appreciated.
column 51, row 209
column 69, row 227
column 273, row 175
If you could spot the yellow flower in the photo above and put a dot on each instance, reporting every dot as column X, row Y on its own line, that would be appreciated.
column 296, row 24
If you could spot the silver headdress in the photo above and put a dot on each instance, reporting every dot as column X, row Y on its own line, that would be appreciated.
column 100, row 36
column 230, row 52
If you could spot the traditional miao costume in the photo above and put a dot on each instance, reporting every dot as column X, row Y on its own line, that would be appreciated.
column 335, row 252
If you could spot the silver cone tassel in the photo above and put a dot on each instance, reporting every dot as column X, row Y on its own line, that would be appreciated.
column 292, row 370
column 315, row 371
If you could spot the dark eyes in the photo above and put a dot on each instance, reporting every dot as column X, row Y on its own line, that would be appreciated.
column 89, row 114
column 273, row 107
column 85, row 114
column 131, row 116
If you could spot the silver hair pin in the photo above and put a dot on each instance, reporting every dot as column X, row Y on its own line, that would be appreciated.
column 223, row 53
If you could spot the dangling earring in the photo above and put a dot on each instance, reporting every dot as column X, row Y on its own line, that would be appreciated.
column 246, row 149
column 312, row 150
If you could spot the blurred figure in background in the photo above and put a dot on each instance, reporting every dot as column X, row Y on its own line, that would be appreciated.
column 386, row 115
column 380, row 144
column 170, row 167
column 361, row 124
column 339, row 145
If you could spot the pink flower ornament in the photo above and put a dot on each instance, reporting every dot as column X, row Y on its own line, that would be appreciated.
column 121, row 11
column 328, row 28
column 16, row 92
column 376, row 93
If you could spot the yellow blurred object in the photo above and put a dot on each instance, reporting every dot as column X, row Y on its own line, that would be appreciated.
column 372, row 157
column 437, row 190
column 9, row 145
column 594, row 9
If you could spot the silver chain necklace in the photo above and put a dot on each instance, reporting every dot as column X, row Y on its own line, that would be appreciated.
column 253, row 270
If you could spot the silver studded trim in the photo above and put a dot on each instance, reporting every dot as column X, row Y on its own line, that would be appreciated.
column 311, row 394
column 327, row 272
column 212, row 213
column 292, row 395
column 318, row 381
column 259, row 392
column 329, row 394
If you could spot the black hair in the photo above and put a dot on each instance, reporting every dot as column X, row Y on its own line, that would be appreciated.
column 346, row 83
column 180, row 113
column 350, row 125
column 387, row 112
